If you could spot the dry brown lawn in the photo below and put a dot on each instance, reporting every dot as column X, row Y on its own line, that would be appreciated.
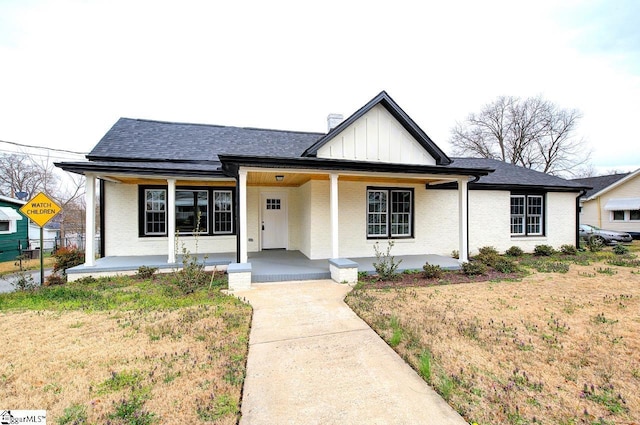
column 551, row 348
column 167, row 366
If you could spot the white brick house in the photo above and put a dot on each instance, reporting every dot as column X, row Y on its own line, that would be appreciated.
column 375, row 176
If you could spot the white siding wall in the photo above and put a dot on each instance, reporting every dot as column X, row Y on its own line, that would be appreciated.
column 376, row 136
column 436, row 222
column 489, row 219
column 121, row 228
column 602, row 218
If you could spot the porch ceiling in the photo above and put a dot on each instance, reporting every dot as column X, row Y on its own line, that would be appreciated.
column 268, row 178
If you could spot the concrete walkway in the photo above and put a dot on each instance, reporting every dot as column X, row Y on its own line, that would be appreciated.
column 313, row 361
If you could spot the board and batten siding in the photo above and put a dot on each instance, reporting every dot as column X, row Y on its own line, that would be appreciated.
column 377, row 137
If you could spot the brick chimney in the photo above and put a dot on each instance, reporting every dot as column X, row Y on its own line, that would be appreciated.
column 333, row 120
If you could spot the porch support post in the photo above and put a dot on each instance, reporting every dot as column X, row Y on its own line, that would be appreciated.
column 242, row 215
column 90, row 221
column 171, row 221
column 334, row 215
column 463, row 221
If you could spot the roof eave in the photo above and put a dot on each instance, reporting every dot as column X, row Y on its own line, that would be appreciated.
column 84, row 168
column 613, row 185
column 230, row 163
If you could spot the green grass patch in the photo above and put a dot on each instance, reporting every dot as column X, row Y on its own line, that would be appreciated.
column 115, row 293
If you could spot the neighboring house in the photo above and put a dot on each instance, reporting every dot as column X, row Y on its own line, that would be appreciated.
column 14, row 234
column 49, row 236
column 613, row 202
column 375, row 176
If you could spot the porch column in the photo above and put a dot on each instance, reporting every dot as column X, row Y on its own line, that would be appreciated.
column 333, row 192
column 90, row 220
column 242, row 215
column 171, row 221
column 463, row 220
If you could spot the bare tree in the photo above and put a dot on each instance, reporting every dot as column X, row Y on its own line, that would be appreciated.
column 17, row 174
column 533, row 133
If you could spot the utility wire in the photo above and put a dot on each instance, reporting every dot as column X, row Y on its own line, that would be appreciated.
column 43, row 147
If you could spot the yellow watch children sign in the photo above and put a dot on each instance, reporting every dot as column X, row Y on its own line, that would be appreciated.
column 40, row 209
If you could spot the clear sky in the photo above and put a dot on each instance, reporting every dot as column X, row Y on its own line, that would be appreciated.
column 69, row 69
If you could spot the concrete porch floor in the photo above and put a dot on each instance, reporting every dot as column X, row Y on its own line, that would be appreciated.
column 267, row 266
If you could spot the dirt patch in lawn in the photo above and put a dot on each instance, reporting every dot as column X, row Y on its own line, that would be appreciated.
column 555, row 348
column 166, row 365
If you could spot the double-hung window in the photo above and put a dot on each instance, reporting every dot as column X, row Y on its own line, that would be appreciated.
column 389, row 213
column 202, row 211
column 527, row 215
column 222, row 207
column 155, row 212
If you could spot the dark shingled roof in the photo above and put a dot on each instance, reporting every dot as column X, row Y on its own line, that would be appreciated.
column 600, row 182
column 513, row 175
column 157, row 147
column 136, row 139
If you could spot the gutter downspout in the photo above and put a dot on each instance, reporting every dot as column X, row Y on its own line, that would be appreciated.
column 582, row 193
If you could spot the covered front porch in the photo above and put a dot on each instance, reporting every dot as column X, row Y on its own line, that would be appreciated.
column 267, row 266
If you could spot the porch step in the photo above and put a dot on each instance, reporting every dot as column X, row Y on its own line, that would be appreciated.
column 284, row 277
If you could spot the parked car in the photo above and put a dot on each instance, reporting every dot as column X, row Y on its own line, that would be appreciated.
column 609, row 237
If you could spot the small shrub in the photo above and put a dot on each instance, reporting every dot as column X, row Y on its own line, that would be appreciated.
column 568, row 249
column 55, row 279
column 432, row 271
column 620, row 249
column 192, row 275
column 488, row 255
column 543, row 250
column 386, row 264
column 505, row 265
column 514, row 251
column 455, row 254
column 595, row 243
column 67, row 257
column 23, row 281
column 474, row 268
column 146, row 272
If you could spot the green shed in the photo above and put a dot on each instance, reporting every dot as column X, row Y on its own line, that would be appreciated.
column 14, row 229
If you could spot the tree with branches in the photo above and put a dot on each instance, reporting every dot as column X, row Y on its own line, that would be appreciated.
column 533, row 133
column 20, row 172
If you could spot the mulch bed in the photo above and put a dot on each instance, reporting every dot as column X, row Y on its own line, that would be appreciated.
column 448, row 278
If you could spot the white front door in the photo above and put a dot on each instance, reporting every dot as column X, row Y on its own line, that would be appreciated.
column 274, row 221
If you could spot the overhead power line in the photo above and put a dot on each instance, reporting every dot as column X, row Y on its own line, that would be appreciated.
column 43, row 147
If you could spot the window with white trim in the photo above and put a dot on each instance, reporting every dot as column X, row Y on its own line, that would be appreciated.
column 223, row 212
column 389, row 213
column 5, row 226
column 527, row 215
column 155, row 216
column 624, row 215
column 617, row 215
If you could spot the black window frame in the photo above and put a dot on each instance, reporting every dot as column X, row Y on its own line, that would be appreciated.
column 389, row 212
column 526, row 215
column 211, row 213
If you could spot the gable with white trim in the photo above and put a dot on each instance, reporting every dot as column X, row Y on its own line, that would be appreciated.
column 377, row 137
